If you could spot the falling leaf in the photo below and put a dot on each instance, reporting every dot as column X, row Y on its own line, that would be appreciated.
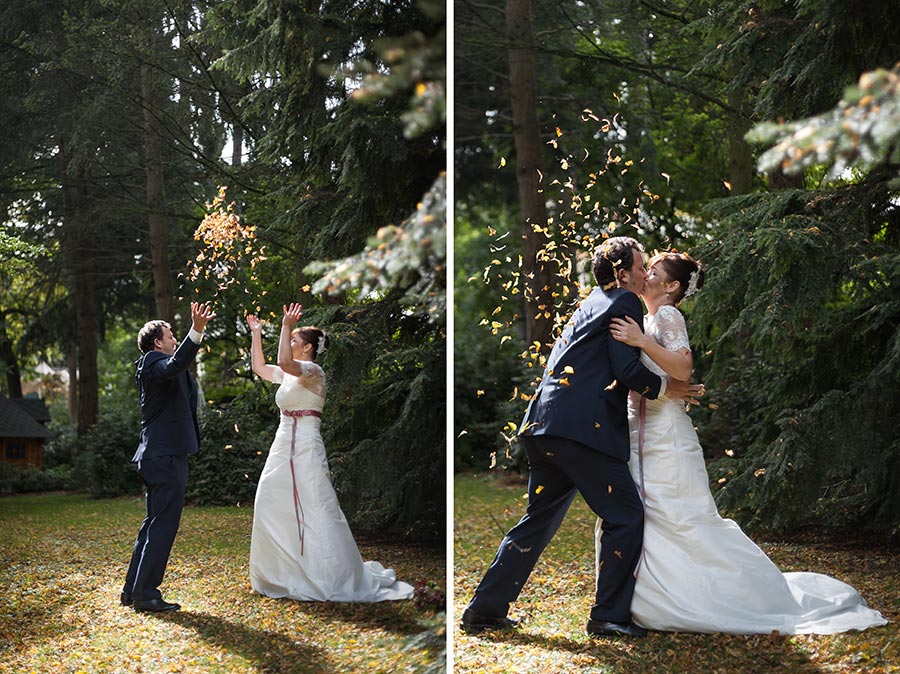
column 568, row 369
column 727, row 185
column 609, row 489
column 539, row 489
column 479, row 392
column 502, row 162
column 729, row 452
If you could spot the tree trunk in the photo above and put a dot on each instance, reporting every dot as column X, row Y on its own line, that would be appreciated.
column 86, row 327
column 740, row 159
column 10, row 363
column 156, row 204
column 81, row 265
column 237, row 141
column 526, row 133
column 72, row 366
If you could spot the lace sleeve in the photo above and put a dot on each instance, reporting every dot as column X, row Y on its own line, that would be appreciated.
column 313, row 377
column 311, row 371
column 671, row 328
column 277, row 374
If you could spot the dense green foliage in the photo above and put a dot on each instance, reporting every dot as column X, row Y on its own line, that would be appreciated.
column 326, row 123
column 796, row 333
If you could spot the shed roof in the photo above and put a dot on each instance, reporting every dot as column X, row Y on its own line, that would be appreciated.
column 15, row 422
column 34, row 406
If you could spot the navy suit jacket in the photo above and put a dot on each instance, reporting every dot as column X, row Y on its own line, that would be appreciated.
column 583, row 405
column 168, row 400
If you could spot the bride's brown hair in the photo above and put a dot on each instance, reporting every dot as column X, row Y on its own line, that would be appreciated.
column 313, row 335
column 680, row 267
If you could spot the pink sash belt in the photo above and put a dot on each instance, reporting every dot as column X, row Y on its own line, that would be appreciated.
column 298, row 506
column 643, row 423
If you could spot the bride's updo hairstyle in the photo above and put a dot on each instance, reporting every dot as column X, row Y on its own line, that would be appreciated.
column 315, row 336
column 611, row 256
column 683, row 268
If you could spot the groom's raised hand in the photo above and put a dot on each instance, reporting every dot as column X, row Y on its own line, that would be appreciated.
column 201, row 314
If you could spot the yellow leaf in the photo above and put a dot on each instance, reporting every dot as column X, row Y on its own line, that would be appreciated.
column 539, row 489
column 502, row 162
column 479, row 393
column 568, row 369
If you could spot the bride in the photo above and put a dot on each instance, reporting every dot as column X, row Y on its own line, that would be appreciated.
column 302, row 547
column 699, row 572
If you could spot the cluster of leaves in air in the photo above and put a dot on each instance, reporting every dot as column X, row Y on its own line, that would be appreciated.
column 862, row 130
column 415, row 62
column 229, row 251
column 579, row 219
column 410, row 257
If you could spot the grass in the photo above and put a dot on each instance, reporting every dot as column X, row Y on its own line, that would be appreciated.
column 63, row 558
column 556, row 600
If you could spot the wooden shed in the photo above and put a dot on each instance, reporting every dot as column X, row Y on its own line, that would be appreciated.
column 21, row 435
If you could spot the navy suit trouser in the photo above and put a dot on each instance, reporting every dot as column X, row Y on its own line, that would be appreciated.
column 560, row 468
column 166, row 479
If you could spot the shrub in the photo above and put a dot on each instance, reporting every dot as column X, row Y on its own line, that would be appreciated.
column 15, row 479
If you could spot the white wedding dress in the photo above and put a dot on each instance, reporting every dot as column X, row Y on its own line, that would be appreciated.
column 699, row 572
column 302, row 547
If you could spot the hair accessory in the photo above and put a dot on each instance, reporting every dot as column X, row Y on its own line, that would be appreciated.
column 692, row 282
column 321, row 346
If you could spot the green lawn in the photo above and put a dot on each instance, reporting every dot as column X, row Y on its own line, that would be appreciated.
column 555, row 603
column 63, row 560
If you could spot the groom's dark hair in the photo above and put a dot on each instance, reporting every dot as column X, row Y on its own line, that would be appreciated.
column 610, row 256
column 150, row 333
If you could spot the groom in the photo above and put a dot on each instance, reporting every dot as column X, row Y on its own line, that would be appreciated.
column 169, row 433
column 575, row 434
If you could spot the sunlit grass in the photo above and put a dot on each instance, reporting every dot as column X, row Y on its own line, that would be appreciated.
column 63, row 559
column 555, row 603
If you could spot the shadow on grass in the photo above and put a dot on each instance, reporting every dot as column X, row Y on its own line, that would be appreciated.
column 387, row 615
column 269, row 651
column 762, row 652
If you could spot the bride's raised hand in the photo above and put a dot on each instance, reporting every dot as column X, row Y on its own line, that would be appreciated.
column 254, row 323
column 292, row 313
column 628, row 331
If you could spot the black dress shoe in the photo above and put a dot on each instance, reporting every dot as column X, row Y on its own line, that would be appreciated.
column 599, row 628
column 154, row 606
column 473, row 623
column 125, row 599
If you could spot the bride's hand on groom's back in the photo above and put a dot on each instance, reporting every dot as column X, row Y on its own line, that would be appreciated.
column 678, row 389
